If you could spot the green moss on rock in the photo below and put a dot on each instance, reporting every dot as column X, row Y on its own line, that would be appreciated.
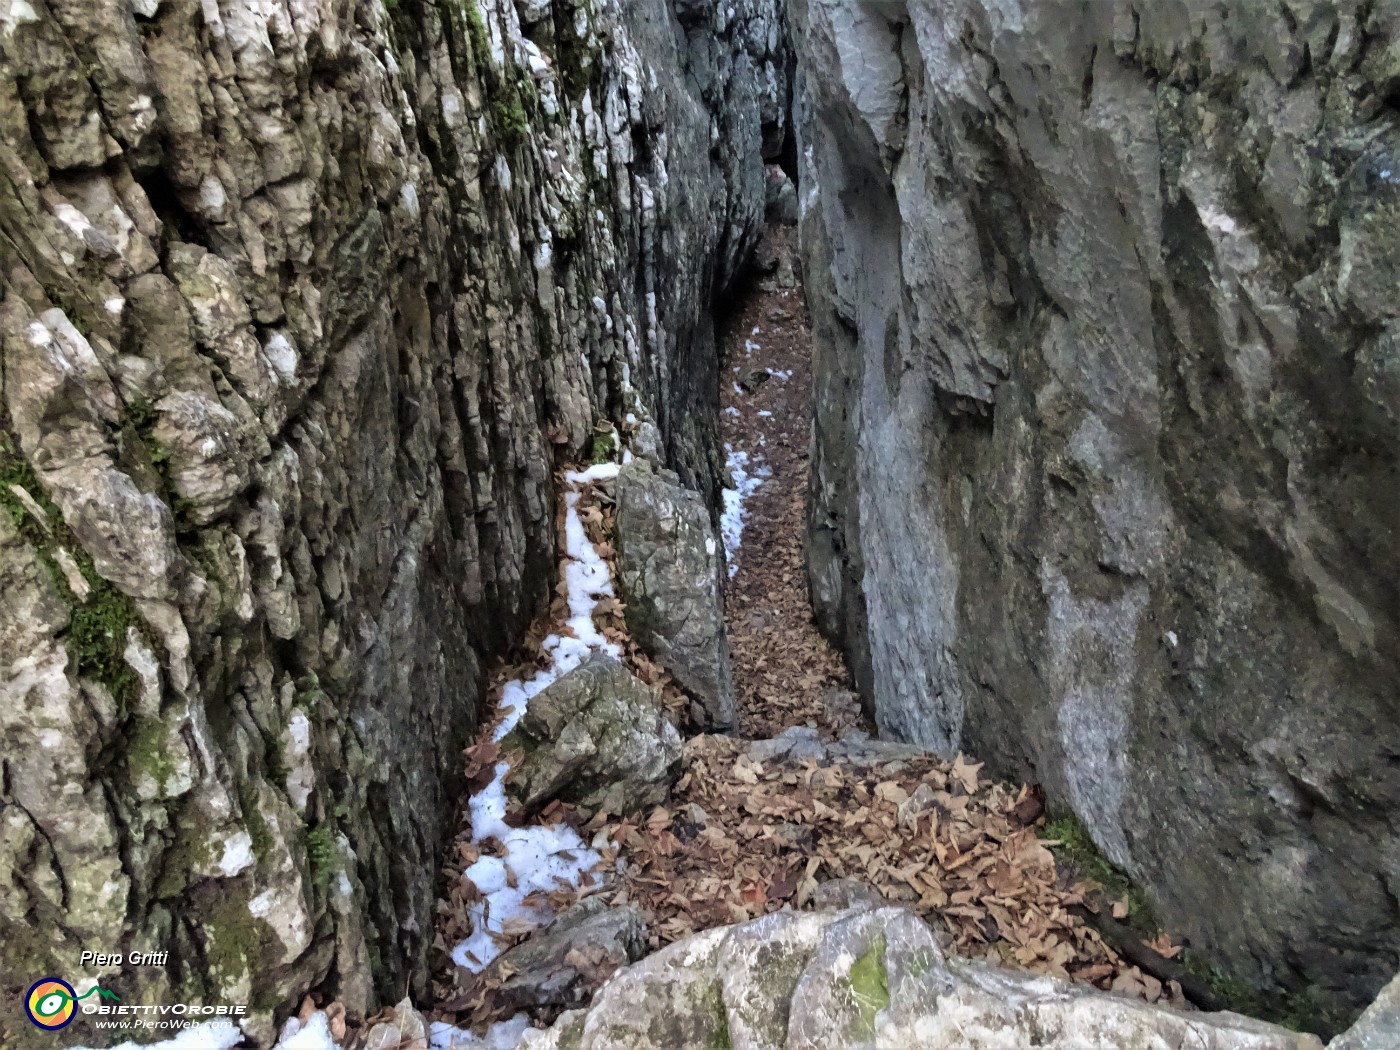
column 233, row 940
column 96, row 635
column 147, row 752
column 320, row 854
column 258, row 831
column 870, row 986
column 1075, row 846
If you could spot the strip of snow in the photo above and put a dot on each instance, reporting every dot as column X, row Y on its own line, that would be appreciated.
column 731, row 519
column 503, row 1035
column 538, row 858
column 597, row 472
column 779, row 373
column 750, row 346
column 732, row 411
column 315, row 1034
column 764, row 413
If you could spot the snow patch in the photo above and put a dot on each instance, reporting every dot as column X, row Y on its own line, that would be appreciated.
column 503, row 1035
column 537, row 858
column 238, row 854
column 315, row 1034
column 731, row 520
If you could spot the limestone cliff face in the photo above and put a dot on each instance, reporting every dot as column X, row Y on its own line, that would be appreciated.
column 1107, row 306
column 300, row 302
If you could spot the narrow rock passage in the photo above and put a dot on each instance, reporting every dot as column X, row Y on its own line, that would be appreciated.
column 786, row 816
column 800, row 810
column 785, row 673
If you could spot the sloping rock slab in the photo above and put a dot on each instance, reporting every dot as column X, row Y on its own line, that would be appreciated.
column 566, row 962
column 596, row 738
column 669, row 566
column 868, row 979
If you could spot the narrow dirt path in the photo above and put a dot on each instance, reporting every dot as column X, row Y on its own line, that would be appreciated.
column 785, row 672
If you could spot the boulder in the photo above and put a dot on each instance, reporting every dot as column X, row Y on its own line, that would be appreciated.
column 566, row 962
column 1378, row 1028
column 646, row 443
column 779, row 198
column 870, row 978
column 671, row 572
column 596, row 738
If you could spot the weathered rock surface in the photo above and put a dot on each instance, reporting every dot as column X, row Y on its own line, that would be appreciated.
column 671, row 570
column 870, row 978
column 1378, row 1027
column 1105, row 482
column 563, row 964
column 598, row 739
column 299, row 301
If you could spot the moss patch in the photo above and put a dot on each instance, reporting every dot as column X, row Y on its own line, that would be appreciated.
column 1308, row 1010
column 476, row 28
column 233, row 940
column 1084, row 859
column 601, row 450
column 192, row 849
column 714, row 1003
column 96, row 636
column 320, row 854
column 258, row 831
column 509, row 120
column 870, row 988
column 147, row 752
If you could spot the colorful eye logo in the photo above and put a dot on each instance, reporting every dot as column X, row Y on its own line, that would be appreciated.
column 50, row 1003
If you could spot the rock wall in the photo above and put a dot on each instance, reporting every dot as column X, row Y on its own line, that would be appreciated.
column 302, row 302
column 1108, row 414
